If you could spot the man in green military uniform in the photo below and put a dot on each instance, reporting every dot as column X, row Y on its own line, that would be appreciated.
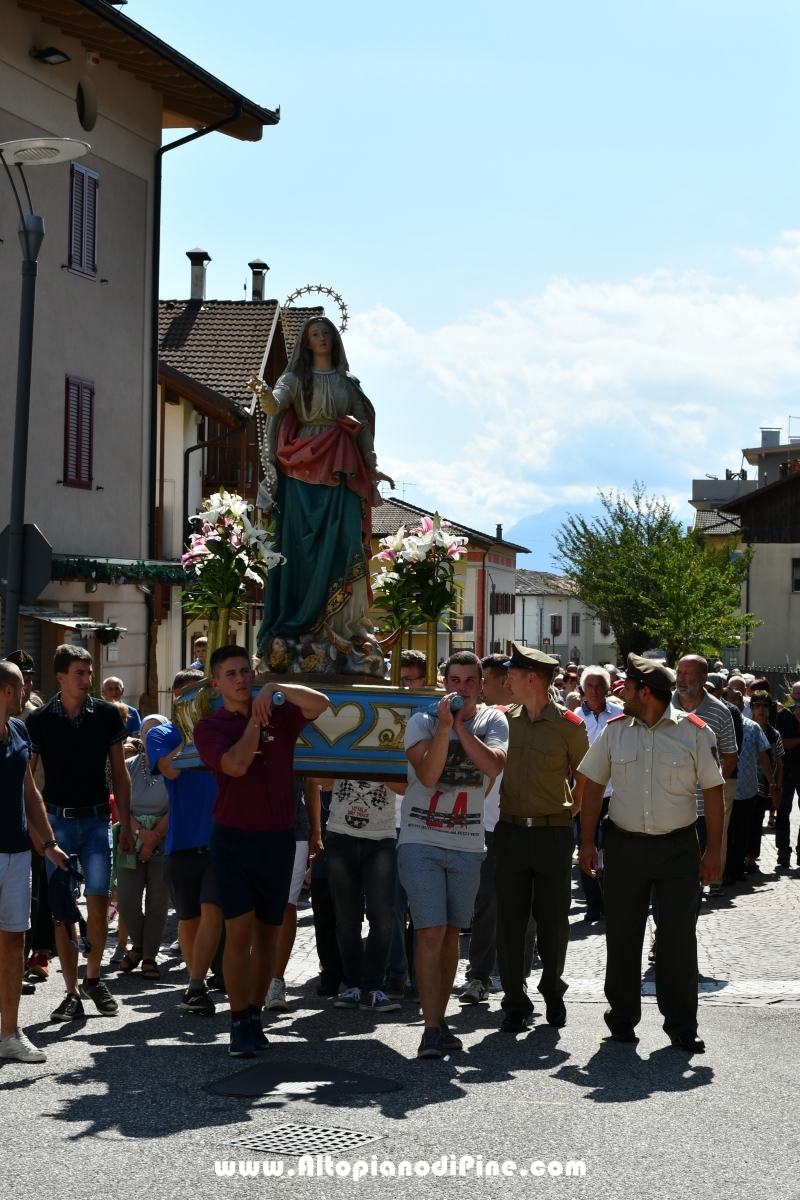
column 654, row 755
column 533, row 840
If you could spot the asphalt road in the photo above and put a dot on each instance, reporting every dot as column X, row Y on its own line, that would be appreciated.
column 120, row 1110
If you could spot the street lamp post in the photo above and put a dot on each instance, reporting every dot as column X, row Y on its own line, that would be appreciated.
column 30, row 152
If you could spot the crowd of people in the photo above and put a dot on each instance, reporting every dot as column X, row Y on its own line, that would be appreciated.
column 663, row 780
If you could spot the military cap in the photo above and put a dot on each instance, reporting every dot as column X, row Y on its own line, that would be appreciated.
column 22, row 660
column 528, row 659
column 651, row 672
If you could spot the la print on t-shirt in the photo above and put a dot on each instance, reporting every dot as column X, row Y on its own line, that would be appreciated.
column 451, row 813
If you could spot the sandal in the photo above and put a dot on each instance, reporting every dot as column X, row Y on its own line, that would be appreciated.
column 128, row 964
column 150, row 969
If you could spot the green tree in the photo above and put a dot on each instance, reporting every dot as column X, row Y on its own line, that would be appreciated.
column 635, row 568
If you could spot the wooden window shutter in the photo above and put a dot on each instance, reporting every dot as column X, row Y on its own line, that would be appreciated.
column 82, row 257
column 78, row 422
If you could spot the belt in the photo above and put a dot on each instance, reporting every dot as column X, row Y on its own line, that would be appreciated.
column 561, row 819
column 648, row 836
column 90, row 810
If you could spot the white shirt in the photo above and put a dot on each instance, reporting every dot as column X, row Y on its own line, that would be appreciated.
column 596, row 722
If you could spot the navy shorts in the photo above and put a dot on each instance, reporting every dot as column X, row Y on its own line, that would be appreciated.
column 190, row 878
column 253, row 872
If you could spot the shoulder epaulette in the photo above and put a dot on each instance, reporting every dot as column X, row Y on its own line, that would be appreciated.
column 571, row 716
column 611, row 720
column 695, row 720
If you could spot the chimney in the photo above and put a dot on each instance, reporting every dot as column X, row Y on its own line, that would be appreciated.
column 198, row 258
column 259, row 269
column 770, row 436
column 498, row 537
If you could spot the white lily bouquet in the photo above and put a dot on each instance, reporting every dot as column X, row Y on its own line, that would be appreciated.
column 226, row 553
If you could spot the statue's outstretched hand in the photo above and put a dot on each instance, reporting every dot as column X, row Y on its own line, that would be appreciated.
column 256, row 384
column 379, row 475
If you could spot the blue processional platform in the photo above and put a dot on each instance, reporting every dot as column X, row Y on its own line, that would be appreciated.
column 360, row 736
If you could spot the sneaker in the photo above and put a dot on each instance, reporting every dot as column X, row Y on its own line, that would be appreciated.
column 241, row 1045
column 119, row 953
column 395, row 989
column 216, row 983
column 19, row 1048
column 432, row 1044
column 175, row 948
column 276, row 997
column 716, row 889
column 113, row 912
column 379, row 1002
column 198, row 1001
column 474, row 993
column 104, row 1002
column 38, row 965
column 350, row 998
column 70, row 1009
column 450, row 1041
column 257, row 1035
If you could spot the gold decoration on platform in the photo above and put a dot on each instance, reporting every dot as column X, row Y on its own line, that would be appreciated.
column 193, row 709
column 387, row 730
column 339, row 720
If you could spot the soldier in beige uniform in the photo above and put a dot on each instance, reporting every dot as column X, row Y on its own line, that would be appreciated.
column 655, row 755
column 533, row 840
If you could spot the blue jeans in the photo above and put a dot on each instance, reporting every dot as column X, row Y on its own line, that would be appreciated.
column 362, row 871
column 90, row 839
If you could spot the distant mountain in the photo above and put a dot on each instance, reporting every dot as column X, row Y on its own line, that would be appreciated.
column 537, row 531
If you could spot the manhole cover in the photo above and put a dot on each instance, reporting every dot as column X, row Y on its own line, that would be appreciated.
column 298, row 1079
column 294, row 1140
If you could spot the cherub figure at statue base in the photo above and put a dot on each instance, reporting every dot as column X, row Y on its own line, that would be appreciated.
column 331, row 654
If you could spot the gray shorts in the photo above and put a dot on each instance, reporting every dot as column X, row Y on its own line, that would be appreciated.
column 15, row 892
column 441, row 884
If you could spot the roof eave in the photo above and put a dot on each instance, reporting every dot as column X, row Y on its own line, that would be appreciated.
column 194, row 391
column 250, row 125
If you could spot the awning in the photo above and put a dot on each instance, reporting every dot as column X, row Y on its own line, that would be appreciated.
column 85, row 626
column 57, row 616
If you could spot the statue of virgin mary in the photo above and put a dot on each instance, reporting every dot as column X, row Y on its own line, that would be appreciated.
column 321, row 477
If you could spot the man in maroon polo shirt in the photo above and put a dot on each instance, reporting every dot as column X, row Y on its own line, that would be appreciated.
column 249, row 747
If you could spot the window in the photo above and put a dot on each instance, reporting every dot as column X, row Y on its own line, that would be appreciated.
column 555, row 626
column 501, row 603
column 576, row 623
column 796, row 574
column 82, row 257
column 78, row 414
column 605, row 628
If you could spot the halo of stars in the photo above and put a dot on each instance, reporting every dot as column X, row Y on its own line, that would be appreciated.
column 320, row 291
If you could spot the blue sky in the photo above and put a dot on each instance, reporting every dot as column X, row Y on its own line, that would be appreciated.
column 564, row 232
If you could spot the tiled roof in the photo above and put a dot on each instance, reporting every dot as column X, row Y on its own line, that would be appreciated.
column 219, row 343
column 393, row 513
column 293, row 319
column 708, row 520
column 542, row 583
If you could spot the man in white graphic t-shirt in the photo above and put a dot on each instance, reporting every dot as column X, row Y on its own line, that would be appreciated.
column 453, row 758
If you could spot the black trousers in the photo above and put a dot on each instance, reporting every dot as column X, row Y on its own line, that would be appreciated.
column 635, row 867
column 325, row 933
column 791, row 784
column 483, row 938
column 42, row 934
column 533, row 869
column 738, row 835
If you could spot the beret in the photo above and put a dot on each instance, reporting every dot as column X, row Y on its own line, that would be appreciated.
column 650, row 671
column 529, row 659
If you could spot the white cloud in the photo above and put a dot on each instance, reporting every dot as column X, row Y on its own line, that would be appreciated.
column 539, row 402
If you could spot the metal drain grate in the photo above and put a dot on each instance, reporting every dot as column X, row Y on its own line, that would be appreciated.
column 295, row 1140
